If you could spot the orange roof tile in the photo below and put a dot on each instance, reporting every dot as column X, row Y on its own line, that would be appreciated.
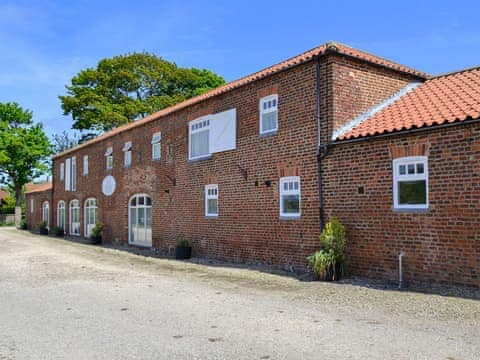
column 448, row 98
column 296, row 60
column 32, row 188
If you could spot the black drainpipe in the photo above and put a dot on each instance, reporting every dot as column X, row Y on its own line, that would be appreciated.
column 321, row 150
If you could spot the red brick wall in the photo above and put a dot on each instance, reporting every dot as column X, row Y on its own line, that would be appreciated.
column 34, row 218
column 441, row 244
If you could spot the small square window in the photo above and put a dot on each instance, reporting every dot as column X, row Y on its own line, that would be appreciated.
column 290, row 196
column 211, row 200
column 269, row 114
column 410, row 188
column 411, row 169
column 420, row 168
column 402, row 169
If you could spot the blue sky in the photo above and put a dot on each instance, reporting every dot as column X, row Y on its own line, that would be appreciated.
column 45, row 43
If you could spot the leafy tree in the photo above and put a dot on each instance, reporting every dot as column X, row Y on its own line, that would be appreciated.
column 125, row 88
column 24, row 148
column 64, row 141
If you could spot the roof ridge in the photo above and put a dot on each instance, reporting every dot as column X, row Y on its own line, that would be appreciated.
column 470, row 68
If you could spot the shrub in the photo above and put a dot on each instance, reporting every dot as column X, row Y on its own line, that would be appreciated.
column 58, row 231
column 183, row 243
column 23, row 224
column 98, row 229
column 42, row 225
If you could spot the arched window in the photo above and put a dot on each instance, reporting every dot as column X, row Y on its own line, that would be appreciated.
column 46, row 213
column 61, row 214
column 75, row 217
column 90, row 215
column 140, row 220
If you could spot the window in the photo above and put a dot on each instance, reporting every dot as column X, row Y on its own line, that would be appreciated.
column 211, row 200
column 109, row 158
column 212, row 134
column 31, row 206
column 156, row 146
column 410, row 183
column 62, row 171
column 199, row 134
column 74, row 174
column 75, row 217
column 85, row 165
column 290, row 196
column 269, row 114
column 61, row 214
column 46, row 213
column 71, row 174
column 140, row 220
column 90, row 218
column 127, row 153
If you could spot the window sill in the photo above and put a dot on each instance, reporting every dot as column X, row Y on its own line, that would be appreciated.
column 203, row 158
column 413, row 211
column 156, row 160
column 297, row 217
column 269, row 133
column 211, row 216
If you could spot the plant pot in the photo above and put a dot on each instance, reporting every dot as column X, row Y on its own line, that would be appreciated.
column 60, row 234
column 95, row 240
column 183, row 252
column 333, row 274
column 43, row 231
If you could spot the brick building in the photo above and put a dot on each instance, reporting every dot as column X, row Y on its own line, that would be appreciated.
column 250, row 171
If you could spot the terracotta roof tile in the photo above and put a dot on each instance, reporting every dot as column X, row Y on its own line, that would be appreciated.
column 32, row 188
column 296, row 60
column 443, row 99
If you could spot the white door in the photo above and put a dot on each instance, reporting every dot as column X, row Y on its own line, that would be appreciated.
column 140, row 221
column 90, row 216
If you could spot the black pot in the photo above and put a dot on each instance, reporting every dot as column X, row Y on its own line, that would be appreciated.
column 333, row 273
column 183, row 252
column 95, row 240
column 43, row 231
column 60, row 234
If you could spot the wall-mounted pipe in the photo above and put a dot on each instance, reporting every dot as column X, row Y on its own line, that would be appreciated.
column 400, row 269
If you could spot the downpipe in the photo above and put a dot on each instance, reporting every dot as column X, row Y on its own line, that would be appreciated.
column 400, row 270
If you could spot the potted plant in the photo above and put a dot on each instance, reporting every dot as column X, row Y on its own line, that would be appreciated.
column 58, row 231
column 96, row 236
column 329, row 262
column 183, row 250
column 43, row 226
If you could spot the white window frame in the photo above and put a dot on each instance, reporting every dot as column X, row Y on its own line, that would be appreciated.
column 32, row 206
column 61, row 214
column 194, row 127
column 127, row 154
column 73, row 178
column 85, row 165
column 109, row 158
column 211, row 193
column 397, row 178
column 293, row 191
column 90, row 204
column 263, row 111
column 143, row 235
column 70, row 217
column 46, row 213
column 62, row 171
column 156, row 144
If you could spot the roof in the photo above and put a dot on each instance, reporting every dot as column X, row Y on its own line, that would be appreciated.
column 447, row 98
column 33, row 188
column 330, row 47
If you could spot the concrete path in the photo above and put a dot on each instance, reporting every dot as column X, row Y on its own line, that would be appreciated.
column 60, row 300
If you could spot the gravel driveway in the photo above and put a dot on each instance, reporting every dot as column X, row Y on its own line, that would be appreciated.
column 62, row 300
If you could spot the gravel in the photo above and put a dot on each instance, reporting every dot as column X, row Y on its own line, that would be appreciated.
column 61, row 299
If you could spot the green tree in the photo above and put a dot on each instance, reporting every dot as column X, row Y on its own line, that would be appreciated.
column 24, row 148
column 64, row 141
column 126, row 88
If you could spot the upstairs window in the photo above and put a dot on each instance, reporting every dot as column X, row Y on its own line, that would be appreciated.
column 199, row 138
column 156, row 146
column 410, row 183
column 109, row 158
column 71, row 174
column 127, row 153
column 290, row 196
column 211, row 200
column 85, row 165
column 31, row 206
column 269, row 114
column 62, row 171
